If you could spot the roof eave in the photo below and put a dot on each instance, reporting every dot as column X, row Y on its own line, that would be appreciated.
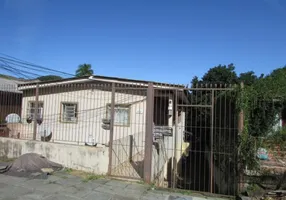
column 97, row 78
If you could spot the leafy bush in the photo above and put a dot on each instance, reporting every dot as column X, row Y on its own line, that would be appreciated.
column 277, row 139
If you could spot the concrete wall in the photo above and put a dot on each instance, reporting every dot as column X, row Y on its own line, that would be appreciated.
column 89, row 159
column 159, row 160
column 92, row 108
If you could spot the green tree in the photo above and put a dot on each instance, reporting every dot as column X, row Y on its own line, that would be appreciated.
column 261, row 102
column 84, row 70
column 49, row 78
column 220, row 74
column 199, row 122
column 225, row 114
column 249, row 78
column 266, row 97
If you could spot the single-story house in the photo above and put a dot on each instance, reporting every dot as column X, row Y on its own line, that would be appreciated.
column 75, row 110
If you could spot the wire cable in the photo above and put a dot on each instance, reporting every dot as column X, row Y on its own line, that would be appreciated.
column 35, row 66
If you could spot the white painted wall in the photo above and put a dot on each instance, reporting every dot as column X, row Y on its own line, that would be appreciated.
column 89, row 159
column 91, row 109
column 159, row 160
column 174, row 145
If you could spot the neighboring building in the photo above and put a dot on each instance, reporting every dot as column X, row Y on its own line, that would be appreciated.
column 10, row 102
column 10, row 98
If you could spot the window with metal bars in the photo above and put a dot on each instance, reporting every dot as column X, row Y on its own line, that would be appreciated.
column 69, row 112
column 121, row 114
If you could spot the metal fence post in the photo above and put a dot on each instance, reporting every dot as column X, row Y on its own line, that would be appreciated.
column 130, row 147
column 149, row 134
column 36, row 112
column 175, row 159
column 212, row 144
column 241, row 116
column 240, row 131
column 111, row 128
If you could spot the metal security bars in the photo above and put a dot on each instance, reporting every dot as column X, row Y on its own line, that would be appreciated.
column 200, row 154
column 10, row 103
column 173, row 136
column 70, row 113
column 128, row 111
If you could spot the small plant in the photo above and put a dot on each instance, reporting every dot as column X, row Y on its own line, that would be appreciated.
column 68, row 170
column 186, row 192
column 252, row 187
column 140, row 182
column 277, row 140
column 90, row 177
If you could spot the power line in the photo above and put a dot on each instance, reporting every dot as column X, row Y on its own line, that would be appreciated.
column 11, row 58
column 23, row 66
column 34, row 66
column 16, row 71
column 29, row 66
column 13, row 71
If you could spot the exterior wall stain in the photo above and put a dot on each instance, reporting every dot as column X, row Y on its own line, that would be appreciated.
column 30, row 145
column 89, row 159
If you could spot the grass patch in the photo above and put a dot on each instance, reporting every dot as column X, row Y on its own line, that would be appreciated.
column 86, row 177
column 91, row 177
column 68, row 170
column 5, row 159
column 140, row 182
column 77, row 173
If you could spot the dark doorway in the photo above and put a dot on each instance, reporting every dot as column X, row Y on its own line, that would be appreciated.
column 161, row 111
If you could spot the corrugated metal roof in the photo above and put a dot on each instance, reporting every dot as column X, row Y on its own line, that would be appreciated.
column 10, row 85
column 97, row 78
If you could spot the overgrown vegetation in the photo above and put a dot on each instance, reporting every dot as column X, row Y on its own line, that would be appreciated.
column 220, row 135
column 277, row 140
column 261, row 103
column 261, row 99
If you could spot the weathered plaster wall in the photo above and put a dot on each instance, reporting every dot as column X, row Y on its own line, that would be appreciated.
column 91, row 109
column 90, row 159
column 159, row 160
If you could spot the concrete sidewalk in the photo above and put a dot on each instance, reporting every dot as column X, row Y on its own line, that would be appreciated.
column 63, row 186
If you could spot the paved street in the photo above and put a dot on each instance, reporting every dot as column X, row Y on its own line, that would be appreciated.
column 65, row 186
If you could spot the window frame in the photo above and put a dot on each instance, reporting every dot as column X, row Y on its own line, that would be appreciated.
column 28, row 110
column 63, row 103
column 108, row 109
